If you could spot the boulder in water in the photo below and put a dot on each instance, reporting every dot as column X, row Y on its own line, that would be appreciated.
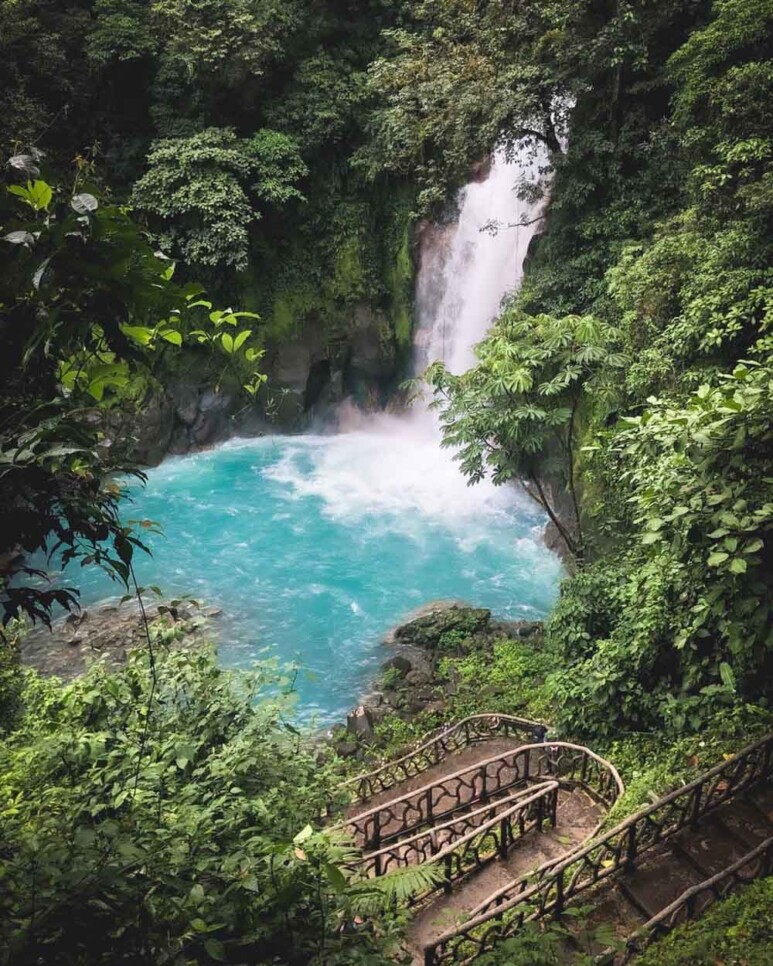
column 360, row 723
column 443, row 627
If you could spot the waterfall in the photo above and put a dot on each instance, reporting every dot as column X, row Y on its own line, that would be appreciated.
column 465, row 272
column 395, row 461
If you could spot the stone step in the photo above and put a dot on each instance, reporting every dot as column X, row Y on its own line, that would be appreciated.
column 709, row 847
column 658, row 879
column 746, row 822
column 762, row 798
column 577, row 810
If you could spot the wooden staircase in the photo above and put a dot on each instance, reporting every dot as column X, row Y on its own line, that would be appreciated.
column 577, row 816
column 697, row 866
column 661, row 866
column 514, row 825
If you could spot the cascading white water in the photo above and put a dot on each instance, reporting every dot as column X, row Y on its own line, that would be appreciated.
column 465, row 271
column 463, row 280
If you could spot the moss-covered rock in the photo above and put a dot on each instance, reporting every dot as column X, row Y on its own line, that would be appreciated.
column 445, row 628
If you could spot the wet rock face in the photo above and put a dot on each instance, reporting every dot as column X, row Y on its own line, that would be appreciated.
column 359, row 723
column 108, row 632
column 309, row 375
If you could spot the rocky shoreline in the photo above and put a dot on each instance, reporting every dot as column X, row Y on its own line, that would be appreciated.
column 411, row 680
column 108, row 631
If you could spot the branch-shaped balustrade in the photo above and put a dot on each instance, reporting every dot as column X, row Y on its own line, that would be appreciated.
column 545, row 892
column 440, row 800
column 467, row 843
column 693, row 902
column 436, row 747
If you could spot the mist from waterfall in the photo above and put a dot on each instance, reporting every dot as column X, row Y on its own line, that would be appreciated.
column 466, row 268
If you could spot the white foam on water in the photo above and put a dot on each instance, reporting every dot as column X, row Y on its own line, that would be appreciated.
column 395, row 467
column 394, row 464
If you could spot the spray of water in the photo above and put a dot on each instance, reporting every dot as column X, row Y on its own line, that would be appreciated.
column 386, row 462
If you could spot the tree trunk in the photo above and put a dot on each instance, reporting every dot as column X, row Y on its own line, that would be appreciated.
column 543, row 501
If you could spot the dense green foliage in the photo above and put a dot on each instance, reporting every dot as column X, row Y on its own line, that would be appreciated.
column 204, row 190
column 516, row 413
column 461, row 77
column 279, row 151
column 736, row 932
column 659, row 232
column 231, row 125
column 166, row 813
column 88, row 312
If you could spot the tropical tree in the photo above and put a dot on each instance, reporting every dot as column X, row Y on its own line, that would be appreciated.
column 88, row 310
column 202, row 191
column 464, row 77
column 516, row 414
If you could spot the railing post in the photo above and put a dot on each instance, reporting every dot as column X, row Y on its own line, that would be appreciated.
column 554, row 807
column 560, row 893
column 540, row 812
column 433, row 846
column 448, row 875
column 429, row 804
column 630, row 850
column 696, row 804
column 483, row 788
column 690, row 907
column 503, row 837
column 376, row 831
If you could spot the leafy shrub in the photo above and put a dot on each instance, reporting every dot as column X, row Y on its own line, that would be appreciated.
column 202, row 190
column 735, row 932
column 168, row 821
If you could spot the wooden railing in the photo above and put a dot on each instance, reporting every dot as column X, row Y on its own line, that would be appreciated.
column 426, row 807
column 467, row 843
column 694, row 901
column 545, row 892
column 435, row 747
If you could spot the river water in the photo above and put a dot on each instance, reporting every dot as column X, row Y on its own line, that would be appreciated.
column 315, row 545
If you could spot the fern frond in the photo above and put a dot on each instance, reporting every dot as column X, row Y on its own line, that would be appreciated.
column 372, row 896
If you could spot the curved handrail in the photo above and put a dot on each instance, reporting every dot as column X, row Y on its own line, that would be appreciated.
column 425, row 846
column 573, row 765
column 546, row 890
column 699, row 897
column 436, row 746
